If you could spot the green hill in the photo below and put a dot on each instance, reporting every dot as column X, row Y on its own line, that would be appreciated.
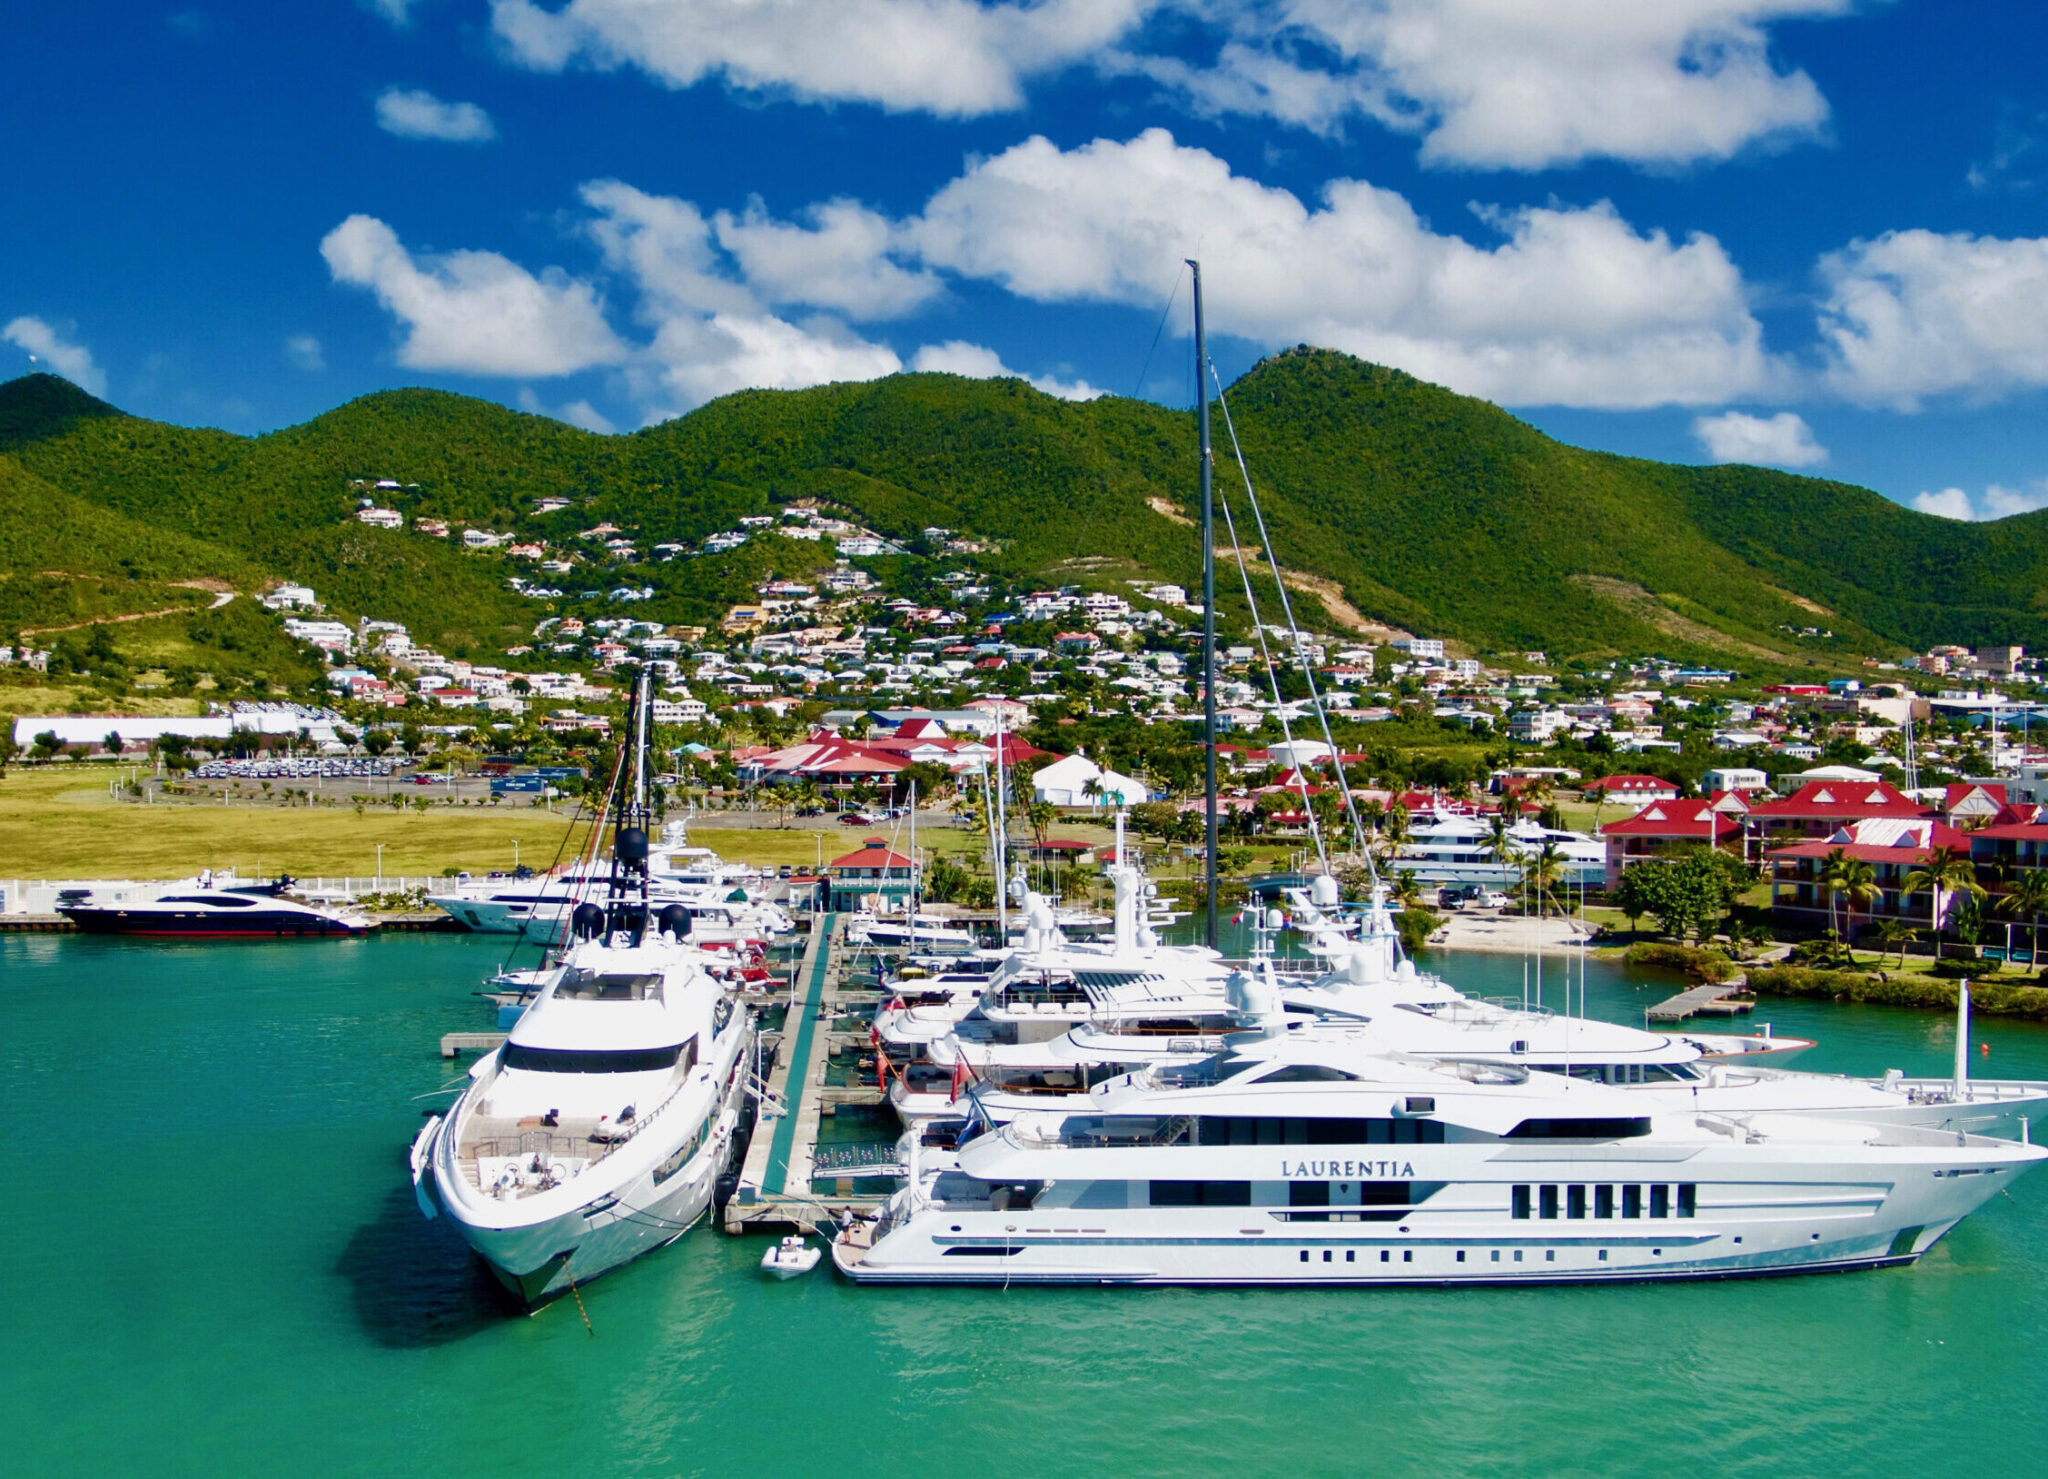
column 1419, row 508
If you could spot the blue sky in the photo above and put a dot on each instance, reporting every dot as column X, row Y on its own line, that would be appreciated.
column 1803, row 232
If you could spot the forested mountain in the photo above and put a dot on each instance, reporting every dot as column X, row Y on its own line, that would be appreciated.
column 1426, row 510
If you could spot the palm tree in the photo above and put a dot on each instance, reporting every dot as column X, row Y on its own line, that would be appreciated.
column 1856, row 881
column 2028, row 898
column 1542, row 872
column 1407, row 890
column 1829, row 876
column 1946, row 872
column 1896, row 934
column 1500, row 842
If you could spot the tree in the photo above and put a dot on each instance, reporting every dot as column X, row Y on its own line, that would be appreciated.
column 1638, row 892
column 1896, row 934
column 2028, row 899
column 1542, row 872
column 1855, row 881
column 46, row 745
column 1946, row 872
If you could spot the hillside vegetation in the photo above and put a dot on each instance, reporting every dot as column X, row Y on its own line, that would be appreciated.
column 1426, row 510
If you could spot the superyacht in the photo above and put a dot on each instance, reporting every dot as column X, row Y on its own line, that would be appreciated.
column 598, row 1130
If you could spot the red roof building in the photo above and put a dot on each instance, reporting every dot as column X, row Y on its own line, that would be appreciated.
column 1665, row 828
column 1636, row 790
column 1892, row 846
column 1820, row 808
column 874, row 869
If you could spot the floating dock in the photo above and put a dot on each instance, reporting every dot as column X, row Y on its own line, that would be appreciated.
column 1728, row 999
column 775, row 1183
column 453, row 1043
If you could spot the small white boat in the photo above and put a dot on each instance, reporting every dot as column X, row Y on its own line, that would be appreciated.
column 788, row 1258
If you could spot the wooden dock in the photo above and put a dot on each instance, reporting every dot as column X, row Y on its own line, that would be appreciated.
column 775, row 1183
column 1727, row 999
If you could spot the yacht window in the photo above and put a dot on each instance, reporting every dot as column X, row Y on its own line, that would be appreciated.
column 1660, row 1201
column 1521, row 1202
column 1201, row 1194
column 1575, row 1201
column 1546, row 1201
column 1114, row 1129
column 1665, row 1073
column 1688, row 1200
column 1581, row 1129
column 1603, row 1201
column 596, row 1060
column 588, row 985
column 216, row 901
column 1246, row 1129
column 1631, row 1201
column 1308, row 1073
column 1309, row 1194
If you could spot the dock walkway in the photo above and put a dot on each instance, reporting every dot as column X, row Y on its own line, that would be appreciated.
column 1709, row 1001
column 775, row 1183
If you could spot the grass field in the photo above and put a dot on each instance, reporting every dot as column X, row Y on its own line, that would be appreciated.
column 61, row 823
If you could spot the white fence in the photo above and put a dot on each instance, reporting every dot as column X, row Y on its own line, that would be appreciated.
column 39, row 895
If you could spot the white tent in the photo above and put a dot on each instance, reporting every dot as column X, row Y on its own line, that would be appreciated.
column 1065, row 783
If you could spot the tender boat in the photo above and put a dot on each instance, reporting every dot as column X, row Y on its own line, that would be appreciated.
column 211, row 907
column 790, row 1257
column 598, row 1131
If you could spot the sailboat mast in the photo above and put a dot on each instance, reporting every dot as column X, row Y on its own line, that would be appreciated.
column 1208, row 612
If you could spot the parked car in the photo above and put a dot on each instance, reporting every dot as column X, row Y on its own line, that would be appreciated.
column 855, row 819
column 1493, row 899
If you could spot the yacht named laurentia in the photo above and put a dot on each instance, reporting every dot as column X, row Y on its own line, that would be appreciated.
column 1303, row 1156
column 599, row 1129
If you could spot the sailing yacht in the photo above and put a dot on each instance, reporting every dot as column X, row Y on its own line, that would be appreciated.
column 598, row 1130
column 1305, row 1156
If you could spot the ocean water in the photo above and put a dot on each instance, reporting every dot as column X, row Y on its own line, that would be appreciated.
column 215, row 1267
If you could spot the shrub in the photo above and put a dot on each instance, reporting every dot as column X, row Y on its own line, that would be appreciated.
column 1689, row 960
column 1989, row 999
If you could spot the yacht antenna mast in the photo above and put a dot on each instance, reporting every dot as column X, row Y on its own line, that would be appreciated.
column 1208, row 616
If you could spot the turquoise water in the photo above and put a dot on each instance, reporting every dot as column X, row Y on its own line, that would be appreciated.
column 216, row 1268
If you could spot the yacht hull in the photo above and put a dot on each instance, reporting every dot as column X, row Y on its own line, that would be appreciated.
column 541, row 1259
column 1794, row 1217
column 255, row 924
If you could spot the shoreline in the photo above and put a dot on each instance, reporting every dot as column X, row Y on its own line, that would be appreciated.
column 1509, row 934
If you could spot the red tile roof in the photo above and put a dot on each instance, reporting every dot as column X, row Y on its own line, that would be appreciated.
column 1686, row 818
column 874, row 853
column 1842, row 801
column 1629, row 785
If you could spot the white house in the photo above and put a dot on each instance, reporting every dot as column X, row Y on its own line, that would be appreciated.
column 1065, row 783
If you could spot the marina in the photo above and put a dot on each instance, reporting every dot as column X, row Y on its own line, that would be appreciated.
column 347, row 1301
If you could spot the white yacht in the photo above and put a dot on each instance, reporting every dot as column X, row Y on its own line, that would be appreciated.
column 598, row 1130
column 1451, row 848
column 1122, row 1023
column 1312, row 1159
column 727, row 901
column 921, row 934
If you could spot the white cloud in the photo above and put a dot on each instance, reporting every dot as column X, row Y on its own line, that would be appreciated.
column 954, row 58
column 303, row 352
column 587, row 416
column 840, row 260
column 474, row 312
column 1507, row 84
column 54, row 352
column 414, row 113
column 1916, row 313
column 977, row 362
column 1995, row 502
column 1783, row 440
column 398, row 12
column 1574, row 307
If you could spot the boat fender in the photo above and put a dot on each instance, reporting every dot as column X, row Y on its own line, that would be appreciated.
column 587, row 922
column 675, row 919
